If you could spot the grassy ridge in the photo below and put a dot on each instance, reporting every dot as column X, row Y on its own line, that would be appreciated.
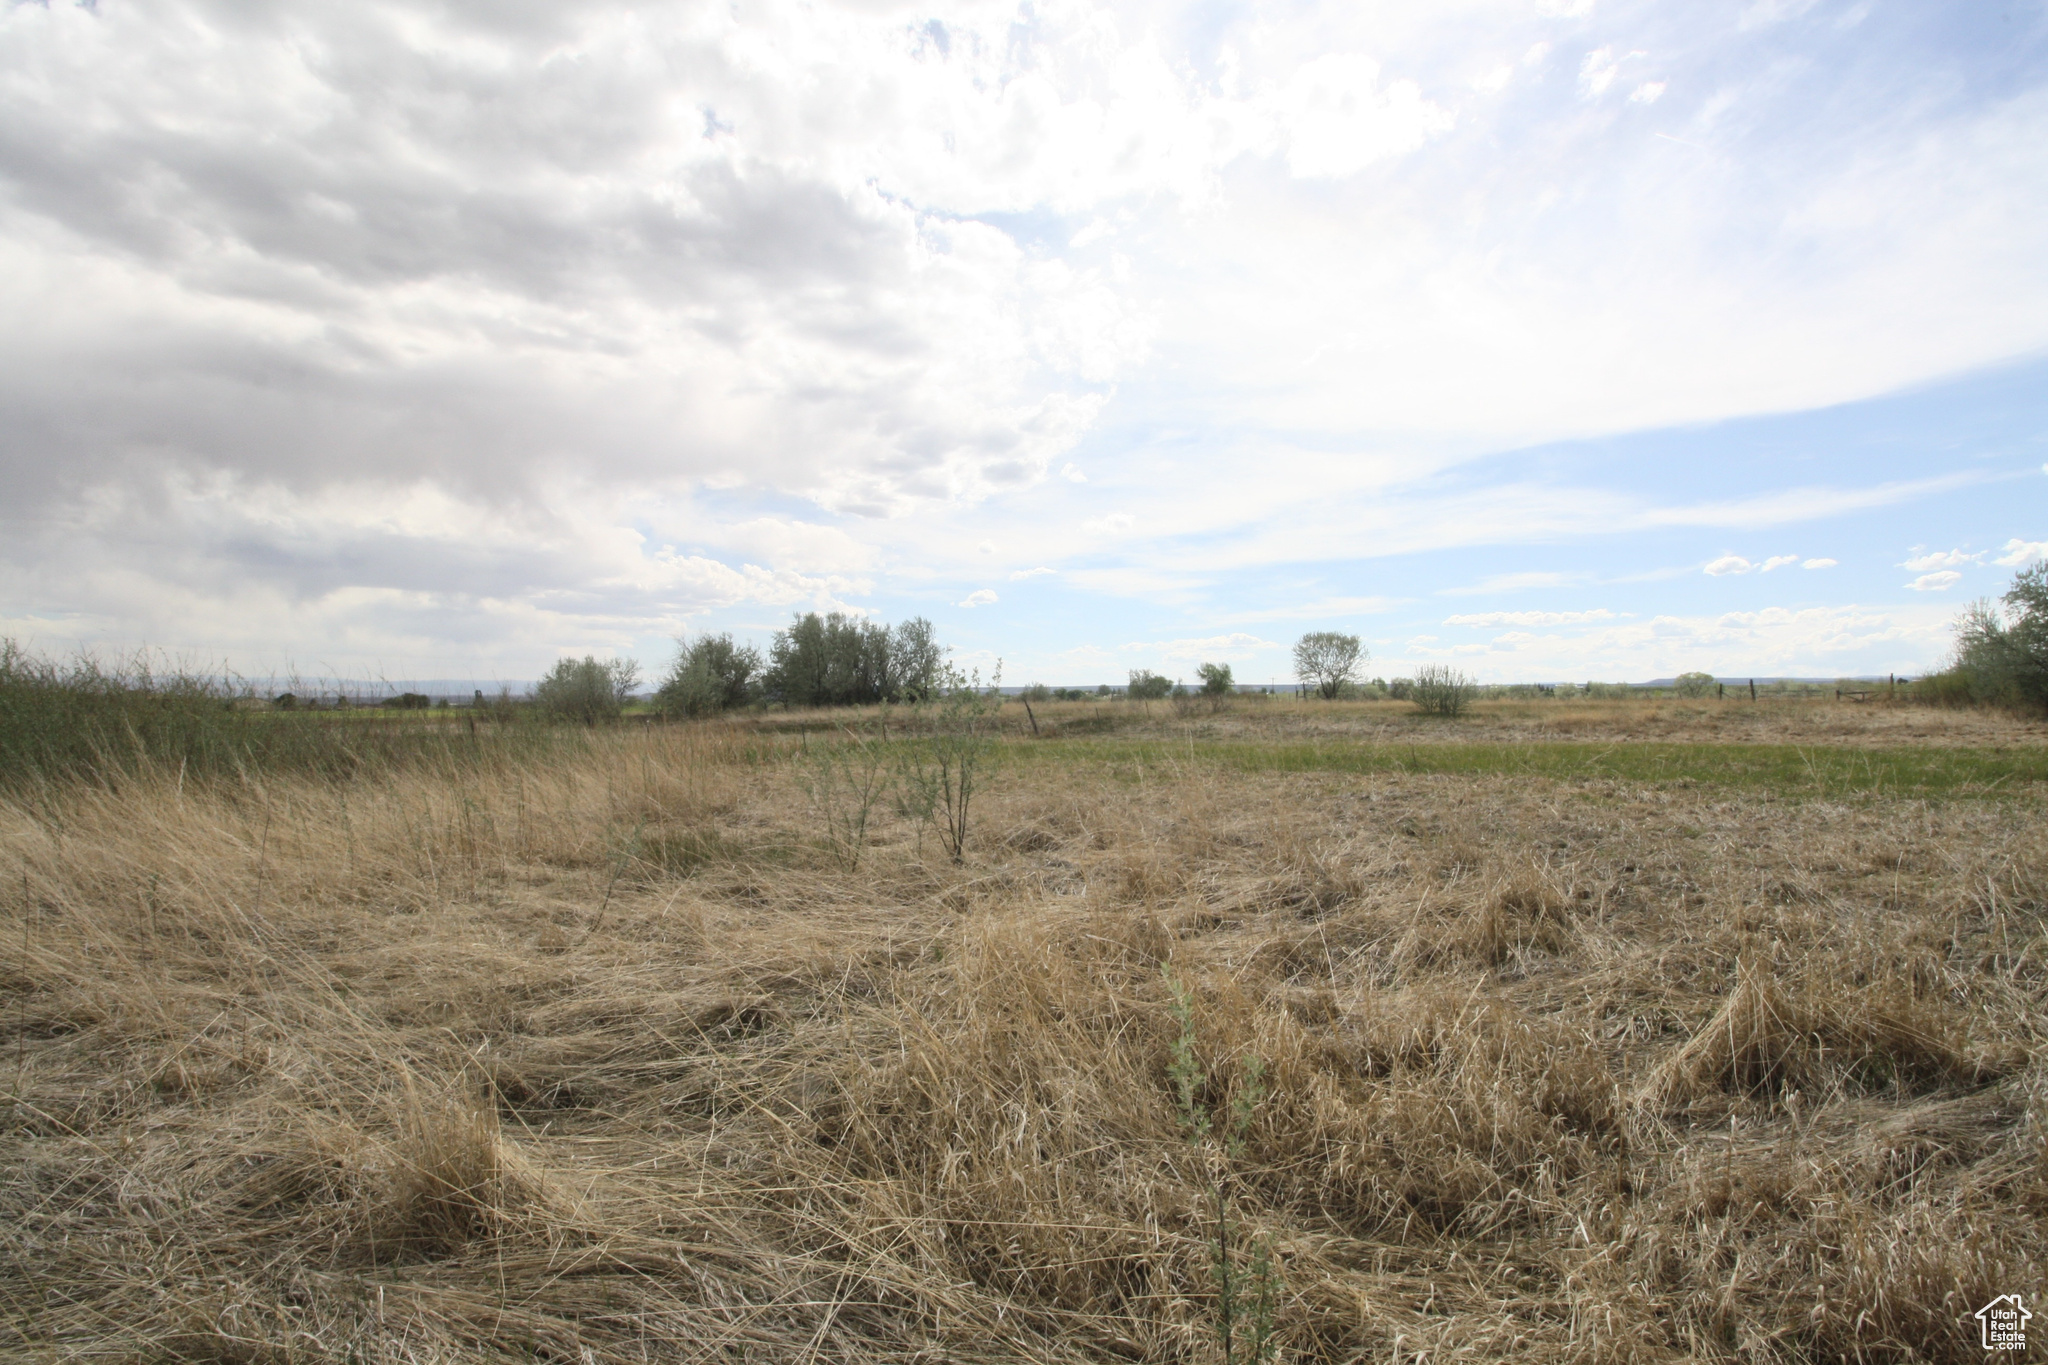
column 1788, row 768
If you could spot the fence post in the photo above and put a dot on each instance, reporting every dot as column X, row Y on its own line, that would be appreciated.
column 1752, row 689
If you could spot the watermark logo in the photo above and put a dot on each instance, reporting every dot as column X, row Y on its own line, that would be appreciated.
column 2004, row 1323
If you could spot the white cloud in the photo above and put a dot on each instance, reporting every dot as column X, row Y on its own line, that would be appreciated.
column 1936, row 582
column 1336, row 120
column 1494, row 81
column 1819, row 564
column 980, row 597
column 1764, row 13
column 1513, row 582
column 1728, row 564
column 1318, row 608
column 2021, row 553
column 1533, row 618
column 1778, row 562
column 1235, row 647
column 1599, row 69
column 1040, row 572
column 1940, row 559
column 1822, row 641
column 713, row 306
column 1649, row 92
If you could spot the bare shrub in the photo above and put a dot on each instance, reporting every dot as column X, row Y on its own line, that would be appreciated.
column 1440, row 690
column 846, row 777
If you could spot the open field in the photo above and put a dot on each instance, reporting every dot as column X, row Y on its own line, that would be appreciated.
column 1584, row 1032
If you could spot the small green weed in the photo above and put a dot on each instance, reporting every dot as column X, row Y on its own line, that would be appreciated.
column 1247, row 1296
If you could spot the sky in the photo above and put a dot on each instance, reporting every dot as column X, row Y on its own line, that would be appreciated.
column 1552, row 339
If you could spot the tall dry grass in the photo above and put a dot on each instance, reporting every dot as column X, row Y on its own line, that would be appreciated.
column 610, row 1057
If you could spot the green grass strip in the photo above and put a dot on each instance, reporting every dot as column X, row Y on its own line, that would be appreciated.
column 1789, row 768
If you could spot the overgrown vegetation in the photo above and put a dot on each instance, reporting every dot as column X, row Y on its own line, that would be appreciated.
column 1441, row 690
column 85, row 719
column 607, row 1057
column 586, row 690
column 846, row 776
column 947, row 761
column 2001, row 657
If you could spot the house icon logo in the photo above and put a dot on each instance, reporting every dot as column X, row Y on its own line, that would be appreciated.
column 2004, row 1323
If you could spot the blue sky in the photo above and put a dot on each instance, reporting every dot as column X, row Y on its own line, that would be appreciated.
column 1555, row 339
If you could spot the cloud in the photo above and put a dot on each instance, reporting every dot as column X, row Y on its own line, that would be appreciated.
column 980, row 597
column 1767, row 12
column 1936, row 582
column 544, row 326
column 1940, row 559
column 1599, row 69
column 1649, row 92
column 1728, row 564
column 1319, row 609
column 1040, row 572
column 1778, row 562
column 1336, row 120
column 2021, row 553
column 1533, row 618
column 1512, row 582
column 1818, row 641
column 1235, row 647
column 1819, row 564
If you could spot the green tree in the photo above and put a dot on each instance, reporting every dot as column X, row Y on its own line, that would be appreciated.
column 2002, row 657
column 917, row 663
column 1146, row 685
column 841, row 660
column 1326, row 660
column 1216, row 680
column 588, row 689
column 710, row 674
column 1693, row 684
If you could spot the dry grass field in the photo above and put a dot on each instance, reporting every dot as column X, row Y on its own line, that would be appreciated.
column 608, row 1056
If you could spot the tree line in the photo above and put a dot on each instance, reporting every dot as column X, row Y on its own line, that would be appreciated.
column 837, row 659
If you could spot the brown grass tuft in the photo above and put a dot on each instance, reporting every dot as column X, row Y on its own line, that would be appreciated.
column 449, row 1176
column 1759, row 1041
